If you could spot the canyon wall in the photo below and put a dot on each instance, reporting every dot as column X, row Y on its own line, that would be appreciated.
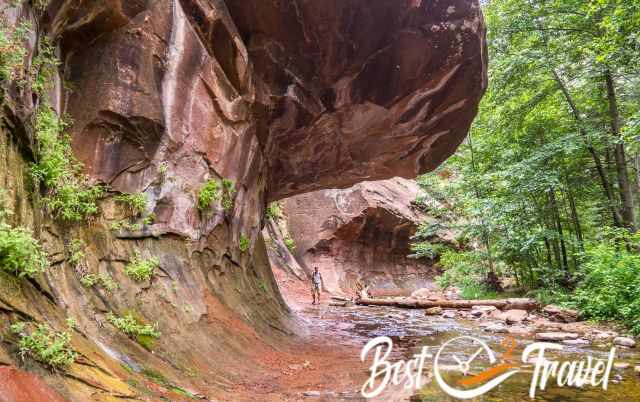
column 277, row 98
column 362, row 233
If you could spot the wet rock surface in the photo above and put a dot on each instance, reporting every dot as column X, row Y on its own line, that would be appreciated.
column 17, row 385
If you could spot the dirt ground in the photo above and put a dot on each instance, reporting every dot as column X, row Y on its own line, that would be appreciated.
column 317, row 362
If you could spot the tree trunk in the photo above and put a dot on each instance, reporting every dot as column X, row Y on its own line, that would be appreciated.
column 628, row 212
column 575, row 217
column 602, row 174
column 405, row 302
column 555, row 214
column 636, row 164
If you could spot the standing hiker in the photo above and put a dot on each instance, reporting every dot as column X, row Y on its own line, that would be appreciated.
column 316, row 284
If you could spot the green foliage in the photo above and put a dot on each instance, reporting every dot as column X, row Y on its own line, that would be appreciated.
column 273, row 211
column 20, row 253
column 208, row 193
column 162, row 169
column 229, row 190
column 610, row 285
column 149, row 219
column 89, row 280
column 76, row 252
column 108, row 283
column 69, row 195
column 244, row 243
column 290, row 243
column 126, row 225
column 160, row 379
column 463, row 269
column 132, row 327
column 525, row 191
column 212, row 191
column 141, row 269
column 12, row 51
column 426, row 250
column 46, row 346
column 135, row 203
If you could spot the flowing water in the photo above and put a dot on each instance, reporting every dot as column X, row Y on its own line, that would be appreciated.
column 410, row 330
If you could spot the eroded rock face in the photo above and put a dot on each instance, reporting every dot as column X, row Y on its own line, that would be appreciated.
column 361, row 233
column 279, row 97
column 361, row 90
column 326, row 94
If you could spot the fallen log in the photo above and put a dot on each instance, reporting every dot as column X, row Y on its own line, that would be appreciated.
column 340, row 298
column 403, row 302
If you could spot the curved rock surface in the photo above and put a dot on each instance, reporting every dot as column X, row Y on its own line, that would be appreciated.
column 361, row 90
column 280, row 97
column 362, row 233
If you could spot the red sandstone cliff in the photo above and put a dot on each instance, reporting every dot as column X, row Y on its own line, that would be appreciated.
column 280, row 97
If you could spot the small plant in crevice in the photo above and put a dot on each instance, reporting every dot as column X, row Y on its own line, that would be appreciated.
column 290, row 243
column 135, row 203
column 212, row 191
column 207, row 194
column 76, row 252
column 124, row 225
column 228, row 191
column 21, row 254
column 133, row 327
column 273, row 211
column 244, row 243
column 89, row 280
column 162, row 169
column 51, row 348
column 141, row 269
column 149, row 219
column 108, row 283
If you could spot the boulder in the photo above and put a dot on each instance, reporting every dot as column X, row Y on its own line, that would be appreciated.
column 422, row 293
column 514, row 316
column 555, row 336
column 520, row 330
column 449, row 314
column 560, row 314
column 337, row 230
column 577, row 342
column 497, row 328
column 484, row 309
column 433, row 311
column 624, row 341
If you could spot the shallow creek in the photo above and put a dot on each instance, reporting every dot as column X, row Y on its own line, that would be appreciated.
column 410, row 330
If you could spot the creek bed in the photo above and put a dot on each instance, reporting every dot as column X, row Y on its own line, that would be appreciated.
column 410, row 330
